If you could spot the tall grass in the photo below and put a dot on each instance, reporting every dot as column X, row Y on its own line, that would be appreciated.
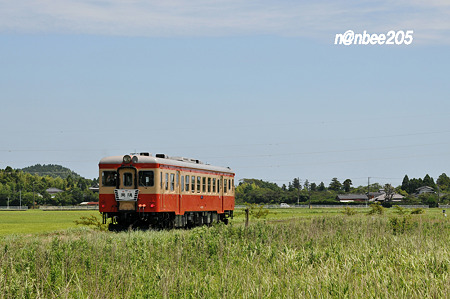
column 320, row 257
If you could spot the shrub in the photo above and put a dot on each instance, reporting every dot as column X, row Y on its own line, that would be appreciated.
column 399, row 210
column 418, row 211
column 376, row 208
column 349, row 211
column 257, row 211
column 400, row 225
column 91, row 221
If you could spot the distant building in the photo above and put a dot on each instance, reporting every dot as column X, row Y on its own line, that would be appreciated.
column 94, row 189
column 352, row 198
column 424, row 189
column 53, row 191
column 382, row 197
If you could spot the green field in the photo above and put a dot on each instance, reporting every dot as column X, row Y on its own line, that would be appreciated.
column 294, row 253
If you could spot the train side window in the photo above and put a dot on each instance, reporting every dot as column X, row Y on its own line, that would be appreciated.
column 199, row 182
column 182, row 183
column 161, row 180
column 146, row 179
column 167, row 181
column 187, row 183
column 193, row 184
column 209, row 185
column 178, row 179
column 172, row 181
column 225, row 186
column 204, row 185
column 229, row 184
column 214, row 185
column 109, row 178
column 219, row 182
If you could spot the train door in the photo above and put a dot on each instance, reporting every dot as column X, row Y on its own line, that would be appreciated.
column 127, row 193
column 127, row 178
column 179, row 195
column 221, row 186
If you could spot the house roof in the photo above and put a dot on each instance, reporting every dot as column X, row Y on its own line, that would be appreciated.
column 54, row 190
column 425, row 188
column 382, row 197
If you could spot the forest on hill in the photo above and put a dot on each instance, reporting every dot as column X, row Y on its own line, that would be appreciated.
column 29, row 186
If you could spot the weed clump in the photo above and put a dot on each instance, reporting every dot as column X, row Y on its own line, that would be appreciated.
column 91, row 221
column 417, row 211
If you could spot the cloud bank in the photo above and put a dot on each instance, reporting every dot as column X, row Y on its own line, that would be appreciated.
column 180, row 18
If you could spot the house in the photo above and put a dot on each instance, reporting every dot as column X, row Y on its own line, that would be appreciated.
column 53, row 191
column 352, row 198
column 382, row 197
column 372, row 195
column 94, row 189
column 424, row 189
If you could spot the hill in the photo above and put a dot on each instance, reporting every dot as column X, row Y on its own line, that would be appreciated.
column 52, row 170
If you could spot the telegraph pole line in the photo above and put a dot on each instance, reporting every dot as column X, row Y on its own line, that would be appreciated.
column 368, row 190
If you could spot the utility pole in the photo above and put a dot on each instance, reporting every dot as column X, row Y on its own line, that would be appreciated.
column 368, row 190
column 33, row 196
column 298, row 194
column 20, row 199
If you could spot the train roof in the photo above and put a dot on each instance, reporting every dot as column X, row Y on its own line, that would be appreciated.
column 165, row 160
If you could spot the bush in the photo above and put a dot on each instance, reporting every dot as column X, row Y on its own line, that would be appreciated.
column 91, row 221
column 399, row 210
column 376, row 208
column 417, row 211
column 400, row 225
column 349, row 211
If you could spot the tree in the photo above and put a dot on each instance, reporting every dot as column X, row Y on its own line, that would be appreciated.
column 313, row 187
column 405, row 183
column 296, row 183
column 389, row 191
column 321, row 187
column 347, row 185
column 428, row 181
column 306, row 185
column 444, row 182
column 335, row 185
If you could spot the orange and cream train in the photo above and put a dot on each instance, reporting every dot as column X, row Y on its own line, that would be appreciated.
column 139, row 190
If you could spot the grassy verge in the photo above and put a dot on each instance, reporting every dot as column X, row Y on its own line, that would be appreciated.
column 323, row 256
column 38, row 221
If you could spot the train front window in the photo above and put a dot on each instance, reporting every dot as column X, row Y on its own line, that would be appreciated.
column 109, row 178
column 146, row 179
column 127, row 179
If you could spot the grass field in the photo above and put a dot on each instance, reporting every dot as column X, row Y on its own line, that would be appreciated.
column 302, row 253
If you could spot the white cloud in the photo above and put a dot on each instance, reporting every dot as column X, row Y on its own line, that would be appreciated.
column 317, row 19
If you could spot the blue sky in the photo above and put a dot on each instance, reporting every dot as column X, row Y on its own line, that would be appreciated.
column 255, row 85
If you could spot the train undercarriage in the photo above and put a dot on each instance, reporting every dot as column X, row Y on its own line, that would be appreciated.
column 163, row 220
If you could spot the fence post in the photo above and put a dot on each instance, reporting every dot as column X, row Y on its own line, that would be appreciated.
column 246, row 217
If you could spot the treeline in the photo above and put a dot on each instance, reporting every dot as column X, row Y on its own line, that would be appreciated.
column 30, row 189
column 262, row 192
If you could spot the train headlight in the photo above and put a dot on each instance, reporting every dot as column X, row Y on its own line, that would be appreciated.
column 126, row 159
